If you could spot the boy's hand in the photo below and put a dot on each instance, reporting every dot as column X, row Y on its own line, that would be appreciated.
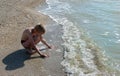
column 44, row 55
column 49, row 47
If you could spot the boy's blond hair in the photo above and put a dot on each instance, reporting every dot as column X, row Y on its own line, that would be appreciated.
column 40, row 28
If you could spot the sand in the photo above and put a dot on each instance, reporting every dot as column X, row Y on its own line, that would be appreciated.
column 15, row 16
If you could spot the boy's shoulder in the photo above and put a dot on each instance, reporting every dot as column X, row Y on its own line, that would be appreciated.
column 28, row 29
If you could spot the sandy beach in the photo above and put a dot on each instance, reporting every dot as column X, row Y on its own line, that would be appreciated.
column 15, row 16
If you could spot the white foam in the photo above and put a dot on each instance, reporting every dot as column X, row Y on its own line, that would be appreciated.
column 78, row 59
column 106, row 33
column 74, row 44
column 118, row 41
column 86, row 21
column 76, row 47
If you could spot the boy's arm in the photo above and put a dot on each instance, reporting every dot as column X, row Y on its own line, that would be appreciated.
column 44, row 42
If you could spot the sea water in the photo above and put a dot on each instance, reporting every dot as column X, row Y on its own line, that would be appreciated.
column 91, row 34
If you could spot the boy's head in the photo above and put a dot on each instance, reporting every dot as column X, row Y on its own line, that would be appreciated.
column 40, row 29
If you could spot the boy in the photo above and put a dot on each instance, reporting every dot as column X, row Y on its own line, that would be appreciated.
column 31, row 37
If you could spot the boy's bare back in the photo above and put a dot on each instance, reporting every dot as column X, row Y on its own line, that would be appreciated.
column 25, row 33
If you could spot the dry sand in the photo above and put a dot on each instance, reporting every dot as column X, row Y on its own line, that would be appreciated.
column 15, row 16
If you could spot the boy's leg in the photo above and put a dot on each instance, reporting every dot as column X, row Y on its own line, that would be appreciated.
column 28, row 47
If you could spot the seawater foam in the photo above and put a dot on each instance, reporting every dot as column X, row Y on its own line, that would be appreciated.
column 79, row 58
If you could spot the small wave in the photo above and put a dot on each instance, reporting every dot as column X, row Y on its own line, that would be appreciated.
column 82, row 57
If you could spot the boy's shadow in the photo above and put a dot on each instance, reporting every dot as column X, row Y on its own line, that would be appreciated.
column 16, row 59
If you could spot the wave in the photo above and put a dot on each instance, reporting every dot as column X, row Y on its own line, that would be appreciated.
column 82, row 57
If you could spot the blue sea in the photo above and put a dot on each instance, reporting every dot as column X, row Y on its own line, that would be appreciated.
column 91, row 34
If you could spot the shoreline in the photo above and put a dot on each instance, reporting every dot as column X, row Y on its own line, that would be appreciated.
column 15, row 17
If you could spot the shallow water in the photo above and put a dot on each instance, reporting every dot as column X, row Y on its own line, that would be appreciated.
column 91, row 35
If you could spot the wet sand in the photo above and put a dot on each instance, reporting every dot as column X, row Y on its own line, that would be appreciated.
column 15, row 16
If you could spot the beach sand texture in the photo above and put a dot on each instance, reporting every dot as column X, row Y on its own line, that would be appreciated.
column 15, row 16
